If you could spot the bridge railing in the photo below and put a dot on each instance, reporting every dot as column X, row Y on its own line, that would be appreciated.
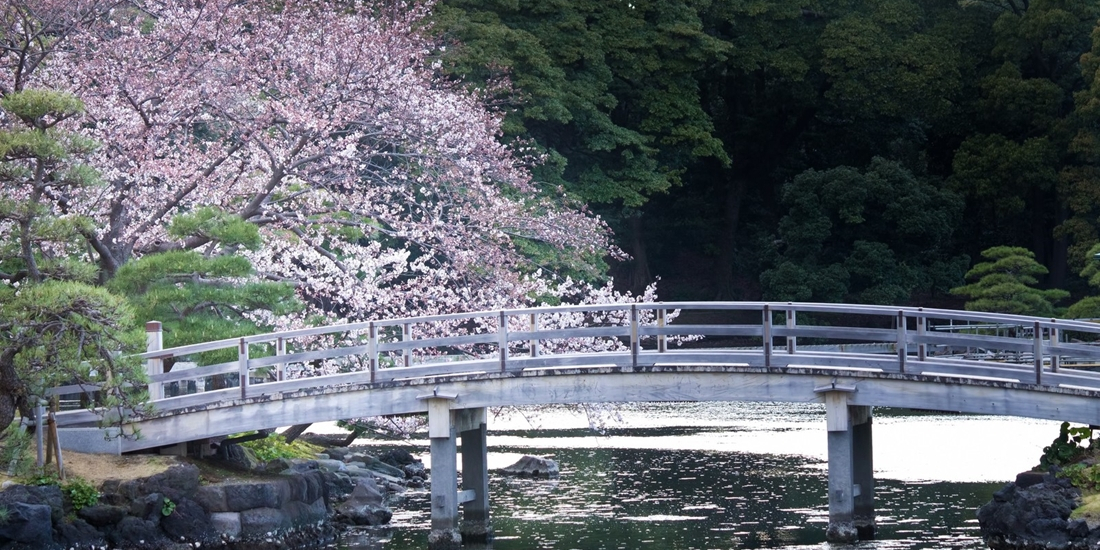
column 773, row 335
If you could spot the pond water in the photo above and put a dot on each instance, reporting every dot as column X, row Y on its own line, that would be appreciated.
column 717, row 476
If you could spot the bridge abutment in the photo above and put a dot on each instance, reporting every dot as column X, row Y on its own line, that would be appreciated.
column 851, row 478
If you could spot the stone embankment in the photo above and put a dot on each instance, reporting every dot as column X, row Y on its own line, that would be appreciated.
column 281, row 504
column 1033, row 513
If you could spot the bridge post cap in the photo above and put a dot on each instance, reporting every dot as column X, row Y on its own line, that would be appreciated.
column 153, row 326
column 833, row 386
column 436, row 394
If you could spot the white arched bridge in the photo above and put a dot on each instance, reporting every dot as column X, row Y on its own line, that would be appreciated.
column 452, row 367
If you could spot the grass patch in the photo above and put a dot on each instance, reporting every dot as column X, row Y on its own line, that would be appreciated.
column 275, row 446
column 1089, row 509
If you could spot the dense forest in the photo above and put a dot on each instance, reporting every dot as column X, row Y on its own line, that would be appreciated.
column 825, row 150
column 233, row 166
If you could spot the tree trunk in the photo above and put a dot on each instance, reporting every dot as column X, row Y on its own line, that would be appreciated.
column 293, row 432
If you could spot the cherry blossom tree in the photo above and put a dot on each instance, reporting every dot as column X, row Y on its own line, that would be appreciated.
column 379, row 188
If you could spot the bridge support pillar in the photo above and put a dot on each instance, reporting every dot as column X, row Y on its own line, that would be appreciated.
column 863, row 471
column 441, row 431
column 851, row 479
column 475, row 526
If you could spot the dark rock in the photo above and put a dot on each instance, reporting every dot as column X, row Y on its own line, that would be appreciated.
column 1027, row 479
column 365, row 506
column 188, row 521
column 338, row 485
column 416, row 469
column 79, row 534
column 398, row 458
column 47, row 495
column 1036, row 516
column 134, row 532
column 533, row 466
column 27, row 524
column 212, row 498
column 261, row 521
column 243, row 496
column 237, row 457
column 148, row 507
column 180, row 480
column 337, row 453
column 277, row 465
column 102, row 515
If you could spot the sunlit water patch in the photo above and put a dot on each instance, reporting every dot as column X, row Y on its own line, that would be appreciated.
column 729, row 476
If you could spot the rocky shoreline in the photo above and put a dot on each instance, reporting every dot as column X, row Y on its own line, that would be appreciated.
column 1033, row 513
column 276, row 505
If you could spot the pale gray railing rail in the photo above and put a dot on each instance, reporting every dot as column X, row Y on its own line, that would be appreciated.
column 520, row 339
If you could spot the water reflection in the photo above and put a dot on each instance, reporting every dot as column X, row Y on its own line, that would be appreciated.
column 674, row 479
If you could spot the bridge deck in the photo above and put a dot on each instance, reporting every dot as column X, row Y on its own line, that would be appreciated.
column 935, row 359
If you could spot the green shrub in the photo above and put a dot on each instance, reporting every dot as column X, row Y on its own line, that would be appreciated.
column 1067, row 447
column 81, row 493
column 167, row 507
column 1082, row 476
column 275, row 446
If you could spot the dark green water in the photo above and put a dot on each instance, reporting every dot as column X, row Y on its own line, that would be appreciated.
column 636, row 488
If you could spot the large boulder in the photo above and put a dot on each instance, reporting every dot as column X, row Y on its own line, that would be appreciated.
column 27, row 524
column 533, row 466
column 1034, row 516
column 365, row 505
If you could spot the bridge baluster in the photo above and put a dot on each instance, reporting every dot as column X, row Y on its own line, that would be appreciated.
column 1055, row 360
column 662, row 340
column 502, row 341
column 280, row 349
column 634, row 344
column 922, row 327
column 792, row 341
column 767, row 335
column 534, row 341
column 1037, row 351
column 372, row 349
column 903, row 341
column 242, row 361
column 154, row 341
column 406, row 336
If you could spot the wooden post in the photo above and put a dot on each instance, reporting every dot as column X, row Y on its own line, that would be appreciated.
column 471, row 426
column 534, row 340
column 767, row 336
column 39, row 431
column 634, row 344
column 406, row 336
column 903, row 342
column 280, row 349
column 154, row 341
column 372, row 349
column 922, row 328
column 502, row 341
column 792, row 341
column 662, row 340
column 1037, row 351
column 1055, row 339
column 242, row 366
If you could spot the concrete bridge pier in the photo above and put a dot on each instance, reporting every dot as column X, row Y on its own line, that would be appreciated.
column 441, row 432
column 444, row 423
column 475, row 526
column 851, row 477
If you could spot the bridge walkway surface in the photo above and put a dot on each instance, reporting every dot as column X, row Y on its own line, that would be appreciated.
column 452, row 367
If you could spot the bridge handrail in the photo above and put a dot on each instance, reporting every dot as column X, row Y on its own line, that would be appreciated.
column 383, row 355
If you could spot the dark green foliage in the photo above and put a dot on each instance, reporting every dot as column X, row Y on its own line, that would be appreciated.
column 1067, row 446
column 204, row 296
column 1005, row 284
column 80, row 493
column 874, row 236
